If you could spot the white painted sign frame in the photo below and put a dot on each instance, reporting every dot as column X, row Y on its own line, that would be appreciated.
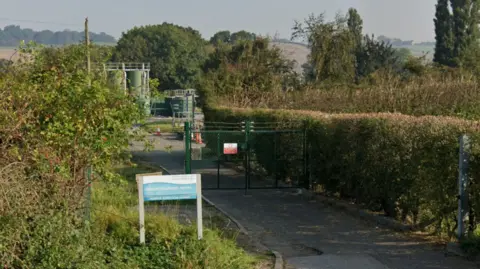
column 140, row 178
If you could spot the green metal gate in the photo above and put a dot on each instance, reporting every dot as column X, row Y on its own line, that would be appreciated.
column 262, row 155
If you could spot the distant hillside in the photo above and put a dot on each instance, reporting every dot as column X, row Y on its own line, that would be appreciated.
column 299, row 52
column 12, row 35
column 295, row 51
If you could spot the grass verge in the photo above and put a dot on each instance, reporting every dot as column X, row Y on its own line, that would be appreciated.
column 170, row 244
column 165, row 127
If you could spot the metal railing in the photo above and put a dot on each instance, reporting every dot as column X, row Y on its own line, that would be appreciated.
column 181, row 92
column 131, row 66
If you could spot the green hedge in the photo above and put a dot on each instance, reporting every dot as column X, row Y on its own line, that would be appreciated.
column 405, row 166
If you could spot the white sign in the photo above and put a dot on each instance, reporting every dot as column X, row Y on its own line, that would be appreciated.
column 230, row 148
column 156, row 187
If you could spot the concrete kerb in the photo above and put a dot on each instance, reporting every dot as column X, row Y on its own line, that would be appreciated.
column 278, row 257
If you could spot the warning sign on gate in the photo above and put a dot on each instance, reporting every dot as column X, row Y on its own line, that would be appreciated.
column 230, row 148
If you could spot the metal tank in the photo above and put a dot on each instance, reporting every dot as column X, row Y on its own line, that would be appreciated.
column 139, row 89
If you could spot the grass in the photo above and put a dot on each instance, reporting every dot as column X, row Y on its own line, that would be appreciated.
column 165, row 127
column 169, row 243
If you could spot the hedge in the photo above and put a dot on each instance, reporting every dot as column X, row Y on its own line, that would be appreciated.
column 402, row 165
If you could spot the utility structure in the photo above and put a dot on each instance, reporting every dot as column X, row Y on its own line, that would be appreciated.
column 133, row 77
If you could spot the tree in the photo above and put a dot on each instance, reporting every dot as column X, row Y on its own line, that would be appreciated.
column 242, row 35
column 355, row 24
column 332, row 47
column 231, row 38
column 12, row 35
column 396, row 42
column 245, row 72
column 176, row 53
column 465, row 30
column 443, row 34
column 375, row 55
column 222, row 36
column 403, row 55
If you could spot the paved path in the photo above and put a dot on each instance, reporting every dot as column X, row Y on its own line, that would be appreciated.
column 309, row 234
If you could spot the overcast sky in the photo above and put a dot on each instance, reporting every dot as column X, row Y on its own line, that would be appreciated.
column 405, row 19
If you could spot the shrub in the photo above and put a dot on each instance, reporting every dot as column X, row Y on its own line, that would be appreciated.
column 441, row 92
column 405, row 166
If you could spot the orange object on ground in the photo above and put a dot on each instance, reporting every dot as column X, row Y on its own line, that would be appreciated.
column 198, row 138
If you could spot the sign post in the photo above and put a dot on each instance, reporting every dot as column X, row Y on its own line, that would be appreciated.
column 155, row 187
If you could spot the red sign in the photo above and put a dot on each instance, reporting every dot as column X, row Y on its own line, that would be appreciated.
column 230, row 148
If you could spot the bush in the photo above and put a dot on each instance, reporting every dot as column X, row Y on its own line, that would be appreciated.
column 441, row 92
column 55, row 122
column 405, row 166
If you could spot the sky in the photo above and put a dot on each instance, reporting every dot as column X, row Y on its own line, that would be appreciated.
column 404, row 19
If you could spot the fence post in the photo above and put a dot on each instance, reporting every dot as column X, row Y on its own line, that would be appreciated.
column 275, row 173
column 218, row 160
column 188, row 148
column 247, row 155
column 462, row 186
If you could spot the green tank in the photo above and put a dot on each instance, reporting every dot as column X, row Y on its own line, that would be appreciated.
column 139, row 90
column 134, row 79
column 180, row 106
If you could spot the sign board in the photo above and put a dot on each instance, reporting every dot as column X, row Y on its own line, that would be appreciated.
column 157, row 187
column 230, row 148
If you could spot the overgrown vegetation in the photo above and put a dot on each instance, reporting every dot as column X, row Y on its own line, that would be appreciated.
column 56, row 123
column 169, row 244
column 52, row 128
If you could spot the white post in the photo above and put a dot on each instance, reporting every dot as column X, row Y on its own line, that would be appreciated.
column 141, row 208
column 199, row 208
column 124, row 78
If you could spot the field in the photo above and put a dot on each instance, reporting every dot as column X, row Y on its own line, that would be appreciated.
column 7, row 52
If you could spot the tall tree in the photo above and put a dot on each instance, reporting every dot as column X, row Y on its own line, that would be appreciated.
column 443, row 34
column 176, row 53
column 242, row 35
column 244, row 71
column 355, row 24
column 331, row 57
column 222, row 36
column 465, row 29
